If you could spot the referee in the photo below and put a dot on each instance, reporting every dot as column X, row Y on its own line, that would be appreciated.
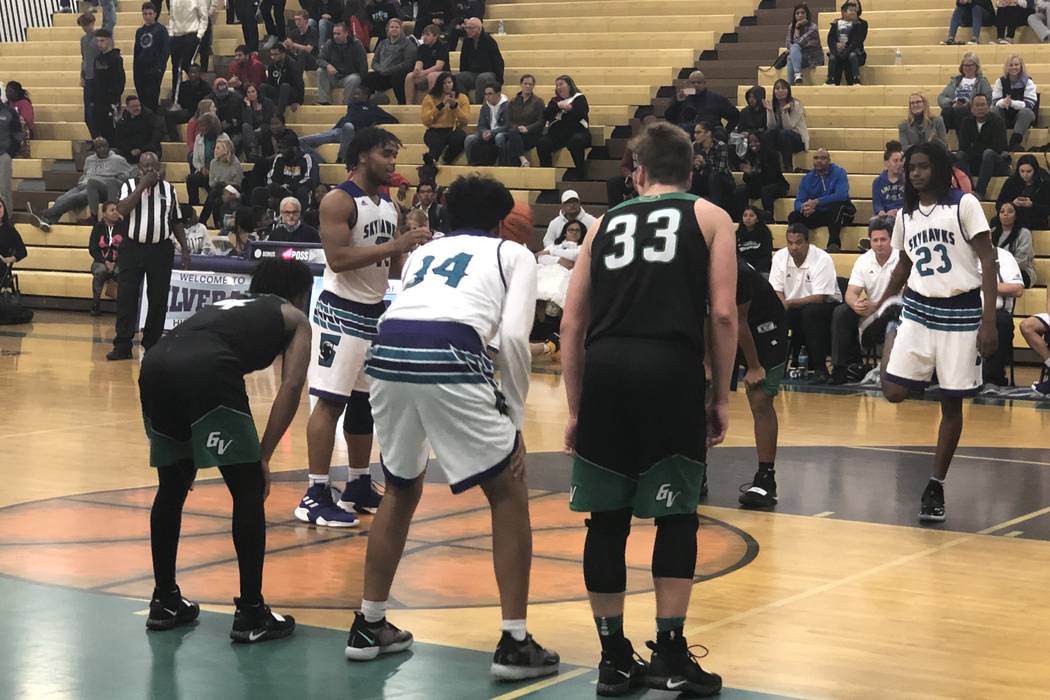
column 151, row 209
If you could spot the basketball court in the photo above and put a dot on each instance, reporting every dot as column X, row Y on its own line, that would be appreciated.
column 837, row 593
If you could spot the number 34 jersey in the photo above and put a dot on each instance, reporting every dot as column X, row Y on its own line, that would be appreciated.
column 649, row 272
column 937, row 241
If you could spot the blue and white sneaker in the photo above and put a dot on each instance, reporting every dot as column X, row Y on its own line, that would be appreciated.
column 318, row 508
column 360, row 495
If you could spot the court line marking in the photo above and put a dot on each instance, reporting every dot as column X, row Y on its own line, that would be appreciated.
column 956, row 456
column 830, row 585
column 1015, row 533
column 823, row 514
column 546, row 683
column 64, row 428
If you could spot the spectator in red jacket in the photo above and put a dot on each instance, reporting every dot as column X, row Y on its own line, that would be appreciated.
column 246, row 69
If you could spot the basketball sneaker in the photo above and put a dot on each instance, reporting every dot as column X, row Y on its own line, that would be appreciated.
column 318, row 508
column 552, row 346
column 515, row 661
column 368, row 640
column 762, row 492
column 1042, row 388
column 257, row 623
column 675, row 667
column 361, row 495
column 170, row 610
column 621, row 671
column 932, row 509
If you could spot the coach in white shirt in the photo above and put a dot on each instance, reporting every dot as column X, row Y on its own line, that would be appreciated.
column 1010, row 286
column 803, row 276
column 867, row 282
column 571, row 210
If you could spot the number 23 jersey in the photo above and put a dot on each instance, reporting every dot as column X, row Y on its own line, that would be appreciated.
column 944, row 264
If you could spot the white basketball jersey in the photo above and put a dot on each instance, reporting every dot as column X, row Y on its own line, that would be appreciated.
column 944, row 264
column 462, row 278
column 376, row 224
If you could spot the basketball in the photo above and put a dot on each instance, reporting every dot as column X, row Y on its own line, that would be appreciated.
column 517, row 226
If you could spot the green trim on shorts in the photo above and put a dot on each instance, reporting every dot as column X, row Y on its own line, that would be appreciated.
column 669, row 487
column 774, row 377
column 221, row 437
column 164, row 450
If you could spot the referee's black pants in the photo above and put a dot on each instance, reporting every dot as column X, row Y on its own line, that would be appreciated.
column 138, row 261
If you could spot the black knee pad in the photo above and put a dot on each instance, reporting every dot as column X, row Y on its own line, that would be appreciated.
column 674, row 553
column 357, row 419
column 604, row 561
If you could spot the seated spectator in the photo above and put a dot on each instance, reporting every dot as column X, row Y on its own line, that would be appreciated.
column 712, row 178
column 256, row 114
column 292, row 173
column 104, row 247
column 823, row 200
column 1036, row 332
column 138, row 130
column 754, row 241
column 887, row 190
column 763, row 178
column 462, row 11
column 1028, row 189
column 393, row 59
column 18, row 100
column 325, row 14
column 920, row 127
column 229, row 107
column 284, row 81
column 957, row 95
column 697, row 103
column 104, row 172
column 480, row 61
column 786, row 130
column 426, row 202
column 1009, row 234
column 620, row 188
column 343, row 63
column 209, row 133
column 802, row 43
column 970, row 13
column 1009, row 15
column 488, row 143
column 224, row 170
column 445, row 113
column 246, row 69
column 846, row 45
column 1009, row 287
column 225, row 215
column 1039, row 21
column 206, row 106
column 243, row 231
column 752, row 118
column 188, row 97
column 1016, row 100
column 525, row 120
column 432, row 60
column 555, row 263
column 360, row 114
column 291, row 228
column 302, row 41
column 867, row 284
column 567, row 126
column 12, row 247
column 982, row 144
column 803, row 276
column 571, row 210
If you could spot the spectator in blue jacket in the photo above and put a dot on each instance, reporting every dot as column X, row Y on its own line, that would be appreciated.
column 887, row 191
column 489, row 140
column 360, row 114
column 823, row 199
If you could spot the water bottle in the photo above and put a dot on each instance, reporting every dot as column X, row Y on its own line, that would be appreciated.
column 898, row 57
column 502, row 31
column 803, row 361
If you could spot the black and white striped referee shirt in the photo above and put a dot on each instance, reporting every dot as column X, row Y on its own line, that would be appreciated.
column 152, row 220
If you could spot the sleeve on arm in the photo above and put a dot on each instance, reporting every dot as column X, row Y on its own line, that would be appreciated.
column 1009, row 270
column 897, row 238
column 825, row 278
column 971, row 217
column 856, row 275
column 776, row 273
column 514, row 359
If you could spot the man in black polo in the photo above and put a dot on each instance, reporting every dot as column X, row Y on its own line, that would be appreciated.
column 151, row 209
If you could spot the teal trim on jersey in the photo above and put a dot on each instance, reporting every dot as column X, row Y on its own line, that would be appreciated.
column 387, row 352
column 943, row 310
column 683, row 196
column 426, row 377
column 934, row 326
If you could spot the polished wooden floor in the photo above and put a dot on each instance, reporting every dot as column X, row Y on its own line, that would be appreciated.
column 839, row 593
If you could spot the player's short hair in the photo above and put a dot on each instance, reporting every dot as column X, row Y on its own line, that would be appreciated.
column 432, row 30
column 279, row 48
column 530, row 76
column 242, row 48
column 880, row 223
column 799, row 228
column 366, row 140
column 104, row 33
column 149, row 6
column 665, row 152
column 301, row 13
column 288, row 279
column 107, row 204
column 131, row 98
column 426, row 183
column 476, row 202
column 86, row 19
column 940, row 173
column 416, row 217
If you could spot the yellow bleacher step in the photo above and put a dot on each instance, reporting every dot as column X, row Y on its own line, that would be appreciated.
column 599, row 24
column 57, row 259
column 783, row 207
column 614, row 8
column 60, row 235
column 55, row 284
column 27, row 168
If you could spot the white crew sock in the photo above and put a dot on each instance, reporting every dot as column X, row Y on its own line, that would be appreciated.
column 933, row 478
column 516, row 629
column 374, row 611
column 316, row 479
column 356, row 473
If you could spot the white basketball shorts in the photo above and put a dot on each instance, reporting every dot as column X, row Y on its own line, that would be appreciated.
column 343, row 332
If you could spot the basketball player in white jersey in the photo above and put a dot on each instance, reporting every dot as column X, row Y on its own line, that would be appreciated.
column 945, row 327
column 358, row 232
column 433, row 382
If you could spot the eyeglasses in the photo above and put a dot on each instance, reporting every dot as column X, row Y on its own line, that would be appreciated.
column 290, row 212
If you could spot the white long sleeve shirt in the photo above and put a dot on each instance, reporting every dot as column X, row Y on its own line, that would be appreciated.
column 189, row 17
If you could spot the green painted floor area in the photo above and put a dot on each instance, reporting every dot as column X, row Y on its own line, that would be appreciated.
column 62, row 643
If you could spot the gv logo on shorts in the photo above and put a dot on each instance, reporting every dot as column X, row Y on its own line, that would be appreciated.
column 327, row 349
column 666, row 494
column 216, row 442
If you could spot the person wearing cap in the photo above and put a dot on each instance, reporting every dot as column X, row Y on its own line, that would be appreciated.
column 293, row 173
column 152, row 48
column 226, row 213
column 229, row 107
column 290, row 227
column 571, row 210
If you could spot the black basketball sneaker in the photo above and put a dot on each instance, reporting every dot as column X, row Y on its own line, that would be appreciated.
column 932, row 509
column 367, row 641
column 621, row 671
column 170, row 610
column 761, row 493
column 515, row 661
column 674, row 667
column 257, row 623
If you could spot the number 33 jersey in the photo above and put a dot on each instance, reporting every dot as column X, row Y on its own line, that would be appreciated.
column 937, row 241
column 649, row 272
